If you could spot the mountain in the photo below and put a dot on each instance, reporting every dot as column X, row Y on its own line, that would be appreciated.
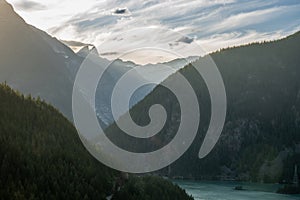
column 260, row 140
column 42, row 157
column 77, row 46
column 85, row 51
column 35, row 63
column 116, row 70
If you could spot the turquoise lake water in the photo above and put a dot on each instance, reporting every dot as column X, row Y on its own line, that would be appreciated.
column 225, row 191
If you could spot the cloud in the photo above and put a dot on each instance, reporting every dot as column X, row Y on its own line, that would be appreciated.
column 224, row 40
column 212, row 23
column 75, row 43
column 28, row 5
column 185, row 39
column 246, row 19
column 109, row 53
column 121, row 11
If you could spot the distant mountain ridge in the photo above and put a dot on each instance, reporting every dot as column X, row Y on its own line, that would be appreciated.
column 35, row 63
column 260, row 140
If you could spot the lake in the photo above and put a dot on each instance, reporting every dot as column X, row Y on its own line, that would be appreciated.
column 225, row 191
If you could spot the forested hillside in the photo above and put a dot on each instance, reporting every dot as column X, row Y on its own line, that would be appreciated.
column 41, row 157
column 261, row 137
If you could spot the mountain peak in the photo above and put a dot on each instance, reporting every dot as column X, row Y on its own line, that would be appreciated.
column 86, row 50
column 4, row 3
column 8, row 14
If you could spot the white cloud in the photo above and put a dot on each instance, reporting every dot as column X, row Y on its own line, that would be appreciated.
column 245, row 19
column 28, row 5
column 211, row 23
column 215, row 42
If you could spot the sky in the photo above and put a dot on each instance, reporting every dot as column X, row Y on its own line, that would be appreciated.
column 167, row 28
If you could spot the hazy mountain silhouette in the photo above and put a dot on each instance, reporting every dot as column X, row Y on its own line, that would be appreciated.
column 260, row 140
column 35, row 63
